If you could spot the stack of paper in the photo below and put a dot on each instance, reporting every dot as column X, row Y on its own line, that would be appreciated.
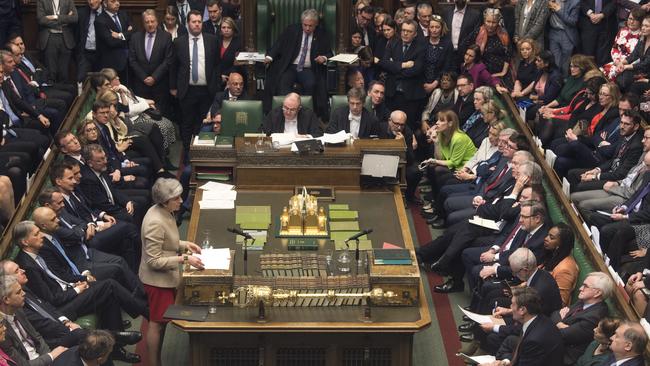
column 250, row 56
column 215, row 258
column 286, row 139
column 335, row 138
column 346, row 58
column 217, row 196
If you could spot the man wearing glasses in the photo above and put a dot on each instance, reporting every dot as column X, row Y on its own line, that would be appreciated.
column 364, row 21
column 403, row 62
column 292, row 118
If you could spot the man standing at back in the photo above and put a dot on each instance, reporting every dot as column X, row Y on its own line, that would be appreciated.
column 113, row 32
column 196, row 82
column 299, row 56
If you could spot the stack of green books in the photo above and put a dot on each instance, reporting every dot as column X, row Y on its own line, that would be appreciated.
column 343, row 224
column 392, row 257
column 253, row 217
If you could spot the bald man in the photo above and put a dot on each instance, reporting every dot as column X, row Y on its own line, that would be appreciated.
column 234, row 91
column 397, row 128
column 292, row 118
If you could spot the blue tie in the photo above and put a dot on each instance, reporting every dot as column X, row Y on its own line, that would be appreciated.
column 303, row 53
column 117, row 23
column 59, row 247
column 195, row 60
column 638, row 198
column 56, row 278
column 598, row 6
column 7, row 107
column 83, row 245
column 471, row 121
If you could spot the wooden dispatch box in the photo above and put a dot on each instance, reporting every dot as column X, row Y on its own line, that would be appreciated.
column 203, row 287
column 403, row 280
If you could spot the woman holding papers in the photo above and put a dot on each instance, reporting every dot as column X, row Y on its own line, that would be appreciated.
column 162, row 255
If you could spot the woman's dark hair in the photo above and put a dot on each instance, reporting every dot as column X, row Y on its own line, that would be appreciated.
column 390, row 22
column 564, row 250
column 477, row 52
column 547, row 57
column 97, row 80
column 638, row 14
column 608, row 326
column 594, row 84
column 356, row 30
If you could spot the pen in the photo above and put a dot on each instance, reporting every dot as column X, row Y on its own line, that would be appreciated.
column 494, row 310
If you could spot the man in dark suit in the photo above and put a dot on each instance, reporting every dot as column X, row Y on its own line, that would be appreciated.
column 540, row 343
column 56, row 38
column 299, row 56
column 577, row 323
column 376, row 93
column 150, row 56
column 196, row 81
column 113, row 31
column 462, row 21
column 354, row 119
column 98, row 188
column 22, row 342
column 106, row 298
column 403, row 62
column 94, row 350
column 234, row 91
column 213, row 24
column 86, row 52
column 627, row 152
column 628, row 343
column 492, row 261
column 464, row 106
column 184, row 8
column 364, row 21
column 596, row 18
column 109, row 236
column 292, row 118
column 424, row 13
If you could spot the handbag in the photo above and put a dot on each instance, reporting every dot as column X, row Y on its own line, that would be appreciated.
column 154, row 114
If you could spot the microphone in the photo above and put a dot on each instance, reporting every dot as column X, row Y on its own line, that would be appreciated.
column 237, row 231
column 359, row 234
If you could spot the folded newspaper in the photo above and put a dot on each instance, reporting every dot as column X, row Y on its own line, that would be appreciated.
column 487, row 223
column 346, row 58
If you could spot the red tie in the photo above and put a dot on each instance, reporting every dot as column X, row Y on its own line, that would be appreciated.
column 496, row 181
column 509, row 239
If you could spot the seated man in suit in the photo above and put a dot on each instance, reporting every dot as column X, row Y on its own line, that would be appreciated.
column 56, row 328
column 616, row 192
column 492, row 261
column 299, row 56
column 292, row 118
column 105, row 298
column 94, row 350
column 540, row 343
column 234, row 91
column 577, row 323
column 628, row 345
column 110, row 236
column 626, row 154
column 354, row 119
column 22, row 342
column 98, row 189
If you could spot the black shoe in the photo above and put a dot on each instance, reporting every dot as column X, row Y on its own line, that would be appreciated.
column 432, row 218
column 466, row 318
column 467, row 337
column 468, row 308
column 127, row 337
column 438, row 224
column 449, row 286
column 466, row 327
column 126, row 324
column 439, row 266
column 120, row 354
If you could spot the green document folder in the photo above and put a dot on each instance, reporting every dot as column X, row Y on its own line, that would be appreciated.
column 343, row 235
column 339, row 206
column 344, row 225
column 364, row 244
column 344, row 215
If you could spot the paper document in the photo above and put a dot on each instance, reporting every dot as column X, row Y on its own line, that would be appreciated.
column 216, row 258
column 550, row 157
column 250, row 56
column 595, row 237
column 608, row 214
column 347, row 58
column 335, row 138
column 216, row 186
column 487, row 223
column 219, row 195
column 216, row 204
column 482, row 319
column 566, row 188
column 286, row 139
column 476, row 360
column 379, row 166
column 645, row 325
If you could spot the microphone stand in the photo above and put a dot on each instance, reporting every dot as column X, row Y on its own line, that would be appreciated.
column 246, row 255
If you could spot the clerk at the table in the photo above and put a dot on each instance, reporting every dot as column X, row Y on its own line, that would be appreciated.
column 354, row 118
column 292, row 118
column 160, row 263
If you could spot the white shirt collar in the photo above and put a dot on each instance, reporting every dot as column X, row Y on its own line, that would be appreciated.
column 526, row 324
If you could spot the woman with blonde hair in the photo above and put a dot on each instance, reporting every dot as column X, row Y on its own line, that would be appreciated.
column 526, row 71
column 229, row 46
column 437, row 54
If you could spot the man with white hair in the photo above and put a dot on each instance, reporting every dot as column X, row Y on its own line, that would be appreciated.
column 292, row 118
column 299, row 56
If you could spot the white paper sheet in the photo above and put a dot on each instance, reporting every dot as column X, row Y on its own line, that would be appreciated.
column 595, row 237
column 481, row 319
column 566, row 188
column 250, row 56
column 217, row 204
column 219, row 195
column 346, row 58
column 335, row 138
column 376, row 165
column 216, row 186
column 487, row 223
column 216, row 258
column 550, row 157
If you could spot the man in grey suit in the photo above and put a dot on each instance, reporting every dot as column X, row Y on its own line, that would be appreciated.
column 563, row 30
column 22, row 342
column 56, row 37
